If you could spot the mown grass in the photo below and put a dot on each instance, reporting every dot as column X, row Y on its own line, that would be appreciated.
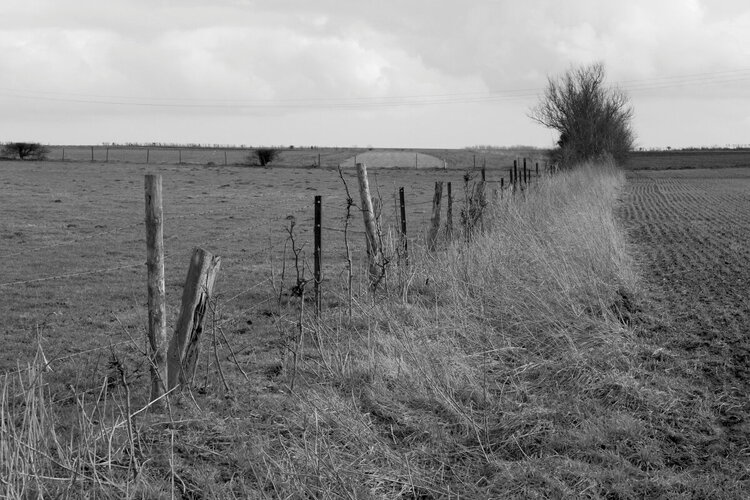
column 509, row 366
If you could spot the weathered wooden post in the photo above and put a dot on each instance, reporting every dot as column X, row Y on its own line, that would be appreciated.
column 435, row 218
column 525, row 172
column 185, row 344
column 537, row 169
column 179, row 156
column 449, row 215
column 318, row 254
column 373, row 246
column 107, row 158
column 148, row 153
column 63, row 154
column 404, row 240
column 225, row 157
column 92, row 153
column 157, row 322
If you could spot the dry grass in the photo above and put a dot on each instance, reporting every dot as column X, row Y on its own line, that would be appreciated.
column 506, row 367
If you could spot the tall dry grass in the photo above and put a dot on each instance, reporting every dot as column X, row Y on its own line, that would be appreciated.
column 484, row 380
column 504, row 367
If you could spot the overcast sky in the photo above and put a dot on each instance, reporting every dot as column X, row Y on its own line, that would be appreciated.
column 382, row 73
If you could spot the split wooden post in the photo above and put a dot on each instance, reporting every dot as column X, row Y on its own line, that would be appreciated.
column 185, row 344
column 157, row 322
column 318, row 254
column 404, row 240
column 449, row 215
column 435, row 219
column 371, row 232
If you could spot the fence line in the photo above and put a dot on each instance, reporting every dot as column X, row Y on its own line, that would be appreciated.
column 334, row 213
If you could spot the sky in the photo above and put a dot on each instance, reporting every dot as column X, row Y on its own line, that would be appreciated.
column 381, row 73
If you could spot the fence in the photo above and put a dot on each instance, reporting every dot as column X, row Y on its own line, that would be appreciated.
column 292, row 157
column 81, row 294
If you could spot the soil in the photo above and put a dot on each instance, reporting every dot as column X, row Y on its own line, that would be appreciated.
column 690, row 232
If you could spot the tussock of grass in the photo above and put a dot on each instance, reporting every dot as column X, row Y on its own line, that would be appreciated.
column 506, row 367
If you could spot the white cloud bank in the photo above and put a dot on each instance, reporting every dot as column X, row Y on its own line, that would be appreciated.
column 325, row 72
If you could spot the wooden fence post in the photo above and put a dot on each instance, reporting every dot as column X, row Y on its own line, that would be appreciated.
column 449, row 215
column 157, row 322
column 435, row 219
column 373, row 246
column 107, row 160
column 92, row 153
column 148, row 153
column 179, row 156
column 525, row 172
column 404, row 240
column 317, row 255
column 184, row 346
column 63, row 154
column 225, row 157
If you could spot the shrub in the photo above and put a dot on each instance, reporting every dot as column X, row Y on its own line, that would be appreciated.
column 266, row 155
column 593, row 120
column 24, row 150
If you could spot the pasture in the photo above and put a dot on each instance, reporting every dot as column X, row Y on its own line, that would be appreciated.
column 590, row 343
column 83, row 223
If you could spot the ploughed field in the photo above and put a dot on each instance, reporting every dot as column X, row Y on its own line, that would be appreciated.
column 690, row 231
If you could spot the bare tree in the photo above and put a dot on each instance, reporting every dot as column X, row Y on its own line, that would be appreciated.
column 266, row 155
column 24, row 150
column 593, row 120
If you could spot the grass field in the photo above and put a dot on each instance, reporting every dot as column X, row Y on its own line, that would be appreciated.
column 492, row 159
column 589, row 345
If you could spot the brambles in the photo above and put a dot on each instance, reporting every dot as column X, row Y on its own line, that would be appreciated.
column 25, row 150
column 593, row 120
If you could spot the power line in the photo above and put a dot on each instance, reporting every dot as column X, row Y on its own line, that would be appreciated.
column 499, row 95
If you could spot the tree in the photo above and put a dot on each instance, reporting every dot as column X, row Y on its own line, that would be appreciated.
column 593, row 120
column 23, row 150
column 266, row 155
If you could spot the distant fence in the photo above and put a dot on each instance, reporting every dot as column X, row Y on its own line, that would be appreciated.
column 291, row 157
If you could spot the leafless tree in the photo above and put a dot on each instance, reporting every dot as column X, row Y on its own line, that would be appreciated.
column 593, row 120
column 24, row 150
